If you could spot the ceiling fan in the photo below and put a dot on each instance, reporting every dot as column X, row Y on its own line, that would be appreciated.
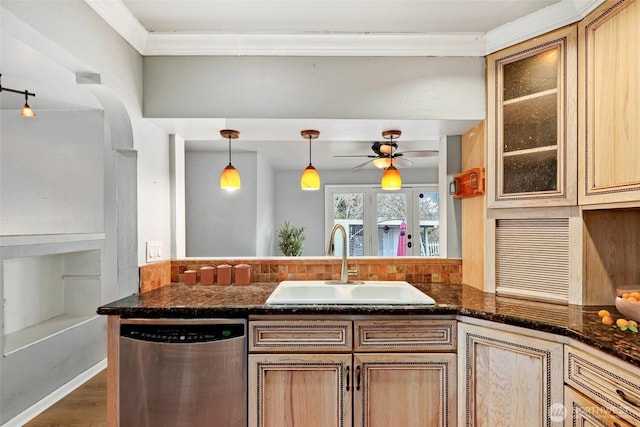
column 386, row 153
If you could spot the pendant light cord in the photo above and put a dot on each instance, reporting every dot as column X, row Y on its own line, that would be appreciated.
column 229, row 150
column 309, row 150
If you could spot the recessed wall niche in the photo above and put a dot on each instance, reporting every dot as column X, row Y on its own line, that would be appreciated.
column 48, row 294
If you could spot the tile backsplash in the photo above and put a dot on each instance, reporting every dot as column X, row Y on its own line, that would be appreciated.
column 417, row 270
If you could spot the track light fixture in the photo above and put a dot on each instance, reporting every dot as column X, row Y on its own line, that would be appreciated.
column 27, row 111
column 310, row 179
column 230, row 178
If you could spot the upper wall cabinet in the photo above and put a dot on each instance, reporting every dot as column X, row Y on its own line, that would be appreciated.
column 531, row 122
column 609, row 90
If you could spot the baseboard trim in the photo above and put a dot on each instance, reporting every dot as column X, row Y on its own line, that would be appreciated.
column 48, row 401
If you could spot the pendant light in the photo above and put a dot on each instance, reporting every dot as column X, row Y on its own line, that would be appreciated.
column 26, row 111
column 230, row 178
column 310, row 179
column 391, row 179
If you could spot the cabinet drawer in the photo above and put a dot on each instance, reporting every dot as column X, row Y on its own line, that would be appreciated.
column 585, row 412
column 300, row 336
column 405, row 335
column 610, row 385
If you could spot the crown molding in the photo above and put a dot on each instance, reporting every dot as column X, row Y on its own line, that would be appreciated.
column 316, row 44
column 118, row 16
column 542, row 21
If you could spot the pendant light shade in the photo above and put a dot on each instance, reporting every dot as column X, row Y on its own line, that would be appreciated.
column 391, row 179
column 230, row 178
column 310, row 179
column 27, row 111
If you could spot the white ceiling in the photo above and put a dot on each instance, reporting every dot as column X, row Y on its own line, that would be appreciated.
column 329, row 16
column 299, row 27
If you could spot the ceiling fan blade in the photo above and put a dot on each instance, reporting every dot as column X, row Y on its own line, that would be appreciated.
column 357, row 155
column 420, row 153
column 361, row 166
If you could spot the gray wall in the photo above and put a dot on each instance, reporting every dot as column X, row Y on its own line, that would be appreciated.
column 52, row 179
column 51, row 173
column 454, row 206
column 314, row 87
column 220, row 223
column 265, row 209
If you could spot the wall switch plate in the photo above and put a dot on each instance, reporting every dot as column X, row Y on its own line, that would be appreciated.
column 154, row 250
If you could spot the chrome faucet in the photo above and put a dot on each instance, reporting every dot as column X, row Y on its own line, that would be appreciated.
column 344, row 274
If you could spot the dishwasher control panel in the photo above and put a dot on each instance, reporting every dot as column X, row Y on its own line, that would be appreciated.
column 176, row 334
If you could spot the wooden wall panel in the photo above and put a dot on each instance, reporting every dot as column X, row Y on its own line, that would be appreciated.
column 473, row 211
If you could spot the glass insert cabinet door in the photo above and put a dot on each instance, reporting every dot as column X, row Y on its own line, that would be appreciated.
column 531, row 122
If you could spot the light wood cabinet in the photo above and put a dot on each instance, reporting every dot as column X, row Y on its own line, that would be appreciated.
column 400, row 372
column 506, row 378
column 288, row 390
column 409, row 390
column 609, row 382
column 531, row 122
column 582, row 412
column 609, row 89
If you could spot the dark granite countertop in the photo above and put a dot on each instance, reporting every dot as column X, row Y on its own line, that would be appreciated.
column 578, row 322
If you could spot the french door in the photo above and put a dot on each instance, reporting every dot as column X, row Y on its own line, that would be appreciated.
column 381, row 223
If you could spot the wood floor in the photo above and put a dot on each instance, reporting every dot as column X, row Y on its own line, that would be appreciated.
column 86, row 406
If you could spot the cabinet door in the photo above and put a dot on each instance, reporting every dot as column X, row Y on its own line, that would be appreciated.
column 582, row 412
column 531, row 122
column 508, row 379
column 609, row 89
column 311, row 390
column 408, row 390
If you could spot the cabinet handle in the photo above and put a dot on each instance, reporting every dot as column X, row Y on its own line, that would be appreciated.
column 627, row 399
column 348, row 376
column 358, row 377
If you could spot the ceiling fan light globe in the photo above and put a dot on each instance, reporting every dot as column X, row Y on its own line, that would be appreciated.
column 391, row 179
column 230, row 178
column 310, row 179
column 382, row 162
column 387, row 149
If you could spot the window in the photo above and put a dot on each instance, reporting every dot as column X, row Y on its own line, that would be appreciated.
column 381, row 223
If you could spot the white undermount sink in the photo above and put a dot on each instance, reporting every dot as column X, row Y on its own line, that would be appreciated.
column 300, row 292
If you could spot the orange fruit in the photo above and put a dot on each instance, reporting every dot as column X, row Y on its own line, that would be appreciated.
column 607, row 320
column 633, row 323
column 622, row 323
column 635, row 294
column 632, row 299
column 603, row 313
column 625, row 295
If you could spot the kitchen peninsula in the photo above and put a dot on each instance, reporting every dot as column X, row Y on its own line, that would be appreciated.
column 554, row 338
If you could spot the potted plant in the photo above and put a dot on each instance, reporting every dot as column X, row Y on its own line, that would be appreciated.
column 291, row 239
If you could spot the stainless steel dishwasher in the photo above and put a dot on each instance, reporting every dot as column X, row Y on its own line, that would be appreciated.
column 183, row 372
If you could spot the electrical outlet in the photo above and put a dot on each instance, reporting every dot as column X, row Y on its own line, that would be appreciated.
column 154, row 250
